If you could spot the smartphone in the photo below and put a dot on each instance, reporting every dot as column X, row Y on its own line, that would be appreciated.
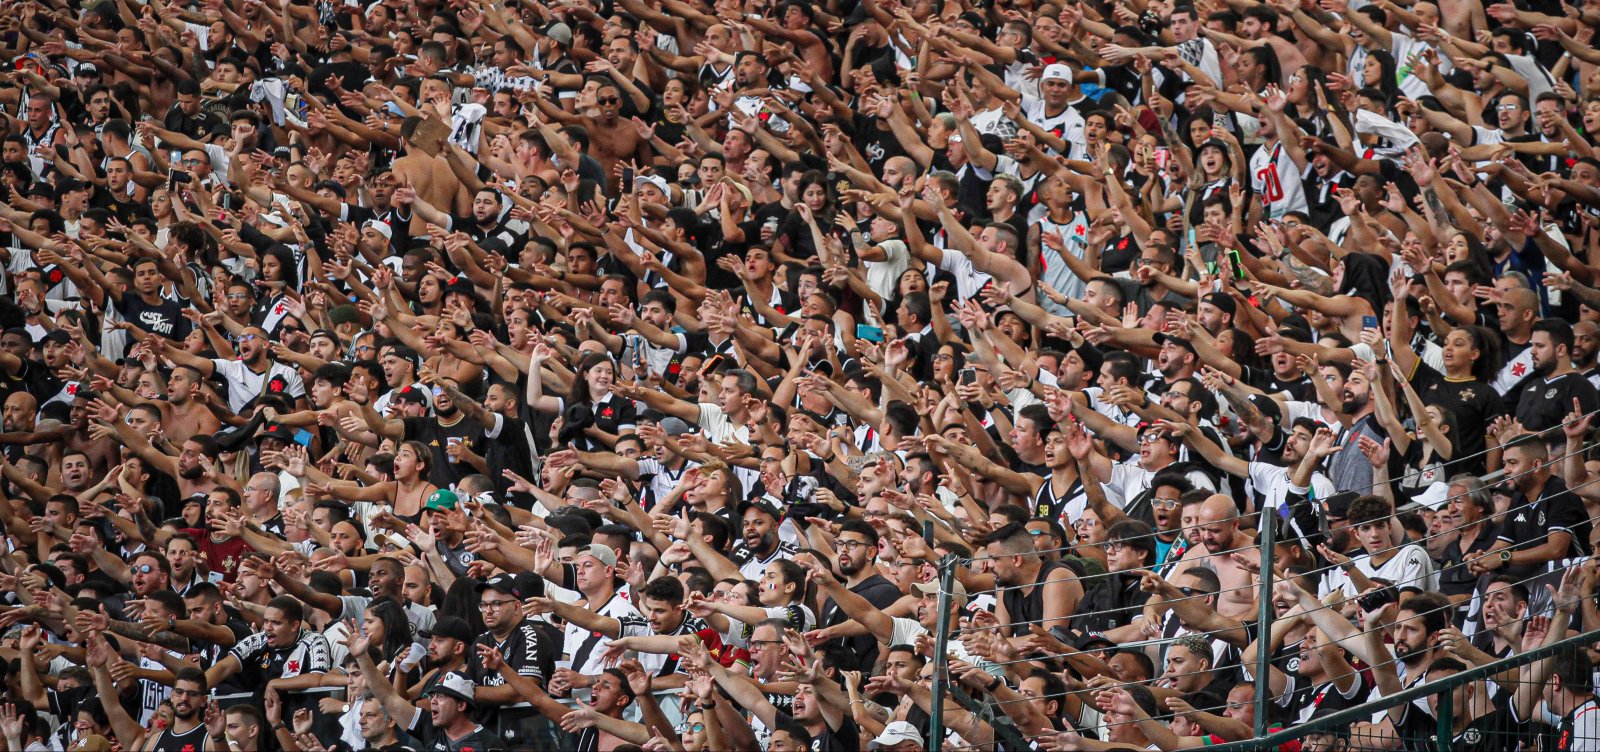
column 1238, row 266
column 179, row 177
column 1163, row 154
column 1379, row 598
column 969, row 375
column 627, row 178
column 869, row 333
column 711, row 365
column 1369, row 322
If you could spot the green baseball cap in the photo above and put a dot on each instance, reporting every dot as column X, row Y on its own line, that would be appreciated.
column 443, row 500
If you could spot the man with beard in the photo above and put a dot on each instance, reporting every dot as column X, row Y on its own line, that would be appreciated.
column 385, row 580
column 1546, row 523
column 522, row 647
column 1218, row 533
column 760, row 545
column 484, row 222
column 182, row 415
column 1415, row 632
column 449, row 425
column 1348, row 467
column 188, row 729
column 446, row 725
column 186, row 469
column 1585, row 347
column 250, row 376
column 857, row 555
column 1033, row 591
column 19, row 414
column 1556, row 386
column 448, row 643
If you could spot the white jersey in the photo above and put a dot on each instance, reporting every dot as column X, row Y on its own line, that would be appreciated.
column 1275, row 177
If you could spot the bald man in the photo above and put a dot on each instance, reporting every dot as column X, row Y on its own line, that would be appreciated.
column 1221, row 541
column 19, row 414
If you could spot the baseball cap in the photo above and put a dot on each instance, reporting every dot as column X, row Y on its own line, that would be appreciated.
column 383, row 228
column 277, row 431
column 459, row 284
column 452, row 627
column 1223, row 301
column 1268, row 407
column 1056, row 72
column 57, row 336
column 959, row 592
column 1164, row 338
column 655, row 180
column 91, row 743
column 87, row 69
column 410, row 394
column 454, row 685
column 560, row 32
column 602, row 552
column 503, row 583
column 443, row 500
column 898, row 732
column 675, row 426
column 761, row 504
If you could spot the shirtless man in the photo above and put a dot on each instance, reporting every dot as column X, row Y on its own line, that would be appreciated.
column 430, row 177
column 611, row 138
column 1219, row 536
column 183, row 414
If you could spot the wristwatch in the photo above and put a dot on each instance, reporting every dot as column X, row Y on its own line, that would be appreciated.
column 1505, row 556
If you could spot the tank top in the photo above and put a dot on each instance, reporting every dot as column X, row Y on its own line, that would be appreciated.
column 1053, row 268
column 1025, row 610
column 1068, row 506
column 172, row 741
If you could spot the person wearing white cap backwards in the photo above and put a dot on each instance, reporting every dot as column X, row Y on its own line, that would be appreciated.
column 899, row 736
column 447, row 722
column 1055, row 109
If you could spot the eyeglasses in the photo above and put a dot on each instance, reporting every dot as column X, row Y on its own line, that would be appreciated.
column 1165, row 503
column 193, row 162
column 845, row 545
column 365, row 348
column 238, row 296
column 247, row 337
column 609, row 100
column 1115, row 546
column 763, row 644
column 1187, row 590
column 697, row 728
column 1153, row 436
column 144, row 568
column 492, row 605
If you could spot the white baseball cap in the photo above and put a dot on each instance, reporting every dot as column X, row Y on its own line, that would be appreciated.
column 1056, row 72
column 898, row 732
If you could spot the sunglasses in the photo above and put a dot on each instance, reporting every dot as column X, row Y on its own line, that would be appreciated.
column 247, row 337
column 609, row 100
column 144, row 568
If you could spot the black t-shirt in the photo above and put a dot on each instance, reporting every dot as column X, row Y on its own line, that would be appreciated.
column 434, row 739
column 164, row 318
column 846, row 738
column 1473, row 402
column 878, row 591
column 1544, row 403
column 1527, row 525
column 442, row 472
column 525, row 650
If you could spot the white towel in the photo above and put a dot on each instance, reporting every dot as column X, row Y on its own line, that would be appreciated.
column 466, row 125
column 1400, row 137
column 273, row 91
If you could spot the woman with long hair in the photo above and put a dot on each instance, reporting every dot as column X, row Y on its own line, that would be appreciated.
column 404, row 495
column 611, row 414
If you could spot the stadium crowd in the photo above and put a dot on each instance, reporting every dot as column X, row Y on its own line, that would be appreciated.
column 470, row 375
